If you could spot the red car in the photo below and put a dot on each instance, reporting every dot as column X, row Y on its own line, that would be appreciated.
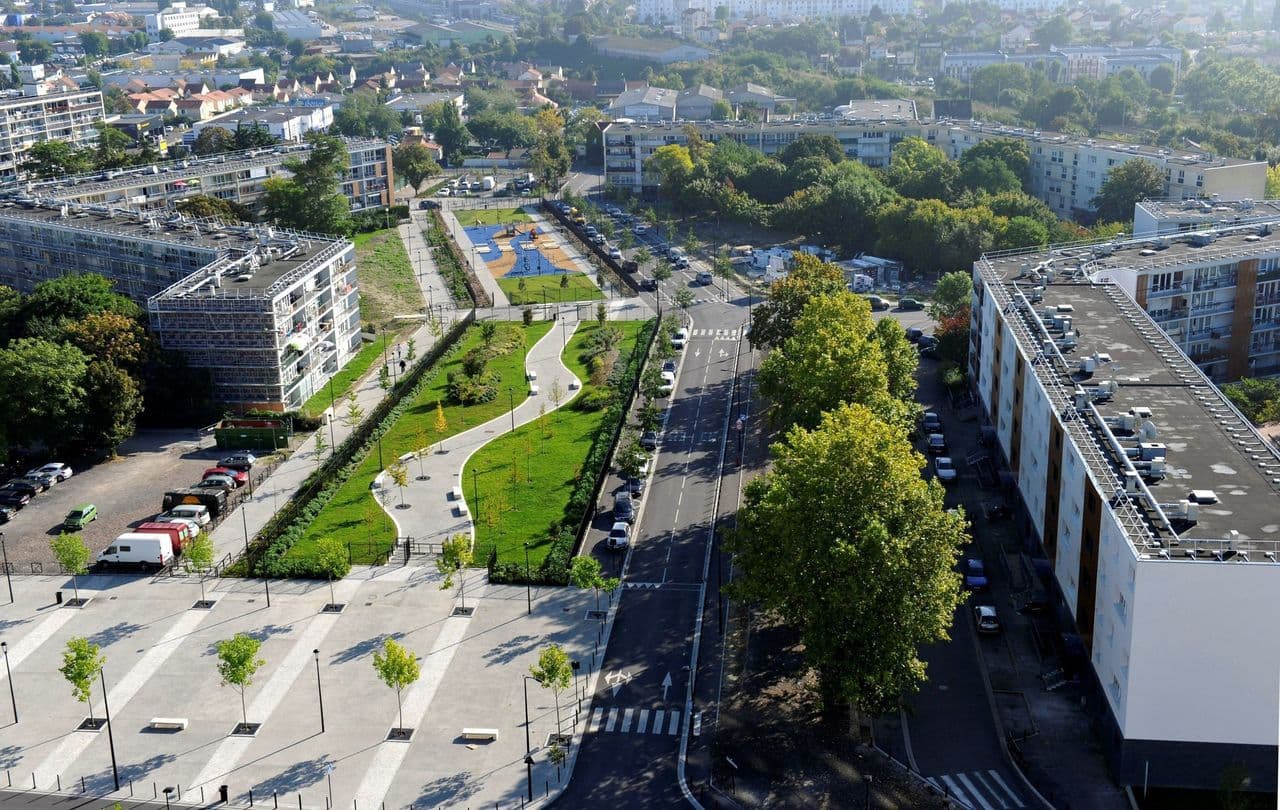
column 239, row 476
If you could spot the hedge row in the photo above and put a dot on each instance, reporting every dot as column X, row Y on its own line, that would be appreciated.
column 452, row 263
column 568, row 531
column 269, row 547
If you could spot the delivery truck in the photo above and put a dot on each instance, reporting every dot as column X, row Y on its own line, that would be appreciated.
column 212, row 497
column 148, row 551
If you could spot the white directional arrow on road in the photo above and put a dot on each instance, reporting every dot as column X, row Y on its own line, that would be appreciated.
column 666, row 684
column 723, row 353
column 697, row 352
column 617, row 680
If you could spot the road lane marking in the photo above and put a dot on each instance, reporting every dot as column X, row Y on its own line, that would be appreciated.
column 657, row 720
column 612, row 721
column 977, row 794
column 626, row 720
column 595, row 719
column 990, row 791
column 1013, row 797
column 697, row 724
column 643, row 722
column 673, row 727
column 957, row 791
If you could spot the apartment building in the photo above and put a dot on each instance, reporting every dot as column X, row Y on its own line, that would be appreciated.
column 1066, row 172
column 673, row 11
column 240, row 177
column 1067, row 63
column 178, row 18
column 36, row 116
column 272, row 314
column 1148, row 508
column 1160, row 217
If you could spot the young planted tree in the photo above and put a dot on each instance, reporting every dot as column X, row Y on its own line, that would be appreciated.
column 602, row 313
column 322, row 444
column 384, row 378
column 354, row 412
column 553, row 672
column 488, row 331
column 422, row 439
column 585, row 573
column 455, row 555
column 81, row 663
column 238, row 662
column 332, row 557
column 630, row 456
column 610, row 585
column 556, row 391
column 684, row 298
column 399, row 477
column 641, row 257
column 197, row 557
column 72, row 554
column 411, row 349
column 441, row 424
column 691, row 242
column 398, row 668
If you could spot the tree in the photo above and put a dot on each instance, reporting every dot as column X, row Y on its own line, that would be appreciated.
column 812, row 146
column 81, row 663
column 920, row 170
column 73, row 554
column 238, row 662
column 202, row 206
column 721, row 110
column 550, row 160
column 1129, row 183
column 630, row 456
column 952, row 292
column 113, row 403
column 1022, row 232
column 553, row 671
column 399, row 477
column 585, row 572
column 362, row 114
column 333, row 559
column 354, row 412
column 441, row 424
column 44, row 390
column 842, row 528
column 165, row 34
column 414, row 163
column 449, row 132
column 213, row 141
column 830, row 359
column 110, row 153
column 773, row 321
column 673, row 166
column 901, row 359
column 254, row 135
column 1257, row 399
column 35, row 51
column 455, row 555
column 310, row 199
column 55, row 304
column 384, row 378
column 684, row 298
column 197, row 557
column 1055, row 32
column 398, row 669
column 48, row 160
column 110, row 337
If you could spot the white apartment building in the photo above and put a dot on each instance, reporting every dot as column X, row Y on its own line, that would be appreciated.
column 1149, row 505
column 1066, row 172
column 28, row 119
column 672, row 11
column 178, row 18
column 1160, row 217
column 1067, row 63
column 239, row 177
column 271, row 314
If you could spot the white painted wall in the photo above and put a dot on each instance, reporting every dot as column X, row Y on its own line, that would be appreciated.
column 1113, row 613
column 1033, row 456
column 1066, row 565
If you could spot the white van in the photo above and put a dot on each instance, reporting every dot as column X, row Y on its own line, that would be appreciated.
column 192, row 511
column 148, row 551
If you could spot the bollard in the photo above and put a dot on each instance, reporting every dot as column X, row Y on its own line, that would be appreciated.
column 275, row 800
column 251, row 797
column 299, row 801
column 202, row 794
column 58, row 776
column 179, row 792
column 57, row 597
column 131, row 788
column 33, row 780
column 546, row 788
column 155, row 794
column 222, row 793
column 82, row 784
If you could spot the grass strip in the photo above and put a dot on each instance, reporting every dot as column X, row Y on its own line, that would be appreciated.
column 548, row 289
column 387, row 284
column 347, row 377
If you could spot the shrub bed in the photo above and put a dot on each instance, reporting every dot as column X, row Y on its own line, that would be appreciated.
column 457, row 272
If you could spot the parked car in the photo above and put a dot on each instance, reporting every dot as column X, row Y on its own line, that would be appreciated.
column 932, row 422
column 914, row 333
column 649, row 284
column 668, row 384
column 704, row 279
column 191, row 511
column 41, row 481
column 5, row 514
column 619, row 536
column 23, row 485
column 975, row 574
column 57, row 469
column 634, row 486
column 615, row 254
column 427, row 205
column 239, row 461
column 218, row 481
column 679, row 338
column 649, row 439
column 640, row 230
column 14, row 499
column 178, row 533
column 190, row 526
column 669, row 365
column 945, row 469
column 240, row 477
column 623, row 509
column 150, row 552
column 80, row 516
column 681, row 263
column 937, row 444
column 910, row 305
column 877, row 303
column 927, row 342
column 985, row 619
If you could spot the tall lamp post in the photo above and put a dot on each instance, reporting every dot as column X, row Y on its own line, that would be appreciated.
column 4, row 647
column 319, row 689
column 528, row 594
column 7, row 576
column 528, row 745
column 111, row 737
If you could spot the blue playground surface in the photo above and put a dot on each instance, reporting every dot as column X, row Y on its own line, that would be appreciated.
column 529, row 260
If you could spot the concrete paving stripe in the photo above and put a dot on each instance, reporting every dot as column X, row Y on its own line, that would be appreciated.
column 41, row 633
column 390, row 755
column 123, row 690
column 595, row 720
column 1013, row 797
column 657, row 720
column 977, row 794
column 990, row 791
column 230, row 750
column 643, row 722
column 673, row 726
column 612, row 722
column 956, row 792
column 626, row 720
column 697, row 724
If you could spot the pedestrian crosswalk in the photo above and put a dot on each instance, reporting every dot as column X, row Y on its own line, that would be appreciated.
column 978, row 790
column 665, row 722
column 717, row 334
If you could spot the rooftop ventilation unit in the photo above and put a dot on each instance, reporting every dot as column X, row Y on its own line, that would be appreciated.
column 1184, row 511
column 1203, row 496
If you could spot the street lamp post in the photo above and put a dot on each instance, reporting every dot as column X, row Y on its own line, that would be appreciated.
column 4, row 647
column 528, row 594
column 7, row 576
column 511, row 398
column 528, row 745
column 475, row 493
column 319, row 689
column 111, row 737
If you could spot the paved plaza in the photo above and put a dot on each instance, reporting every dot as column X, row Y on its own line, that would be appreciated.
column 161, row 662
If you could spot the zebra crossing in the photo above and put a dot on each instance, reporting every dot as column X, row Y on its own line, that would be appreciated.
column 664, row 722
column 978, row 790
column 716, row 334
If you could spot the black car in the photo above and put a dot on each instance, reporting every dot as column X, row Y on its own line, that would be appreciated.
column 932, row 422
column 927, row 342
column 5, row 514
column 649, row 440
column 13, row 499
column 649, row 284
column 914, row 334
column 937, row 444
column 910, row 304
column 428, row 205
column 22, row 485
column 634, row 486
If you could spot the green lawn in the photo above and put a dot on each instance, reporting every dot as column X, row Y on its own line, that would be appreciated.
column 579, row 288
column 467, row 217
column 387, row 284
column 347, row 376
column 351, row 515
column 525, row 478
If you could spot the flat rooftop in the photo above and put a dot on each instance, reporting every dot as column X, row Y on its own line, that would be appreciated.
column 1208, row 445
column 1210, row 211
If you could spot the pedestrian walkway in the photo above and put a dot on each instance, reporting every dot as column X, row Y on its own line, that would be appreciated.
column 979, row 790
column 436, row 509
column 717, row 334
column 637, row 721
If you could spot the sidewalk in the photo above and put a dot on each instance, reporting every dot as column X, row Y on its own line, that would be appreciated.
column 435, row 290
column 431, row 515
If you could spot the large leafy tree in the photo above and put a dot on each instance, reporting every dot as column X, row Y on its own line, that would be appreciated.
column 900, row 358
column 310, row 200
column 113, row 402
column 213, row 141
column 1127, row 184
column 44, row 390
column 952, row 292
column 414, row 163
column 673, row 166
column 845, row 540
column 50, row 159
column 813, row 145
column 362, row 114
column 921, row 170
column 773, row 322
column 58, row 302
column 448, row 130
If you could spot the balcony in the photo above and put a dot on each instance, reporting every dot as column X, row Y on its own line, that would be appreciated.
column 1163, row 292
column 1214, row 308
column 1214, row 283
column 1168, row 315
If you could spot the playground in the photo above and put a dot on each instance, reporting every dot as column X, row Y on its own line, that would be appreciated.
column 529, row 264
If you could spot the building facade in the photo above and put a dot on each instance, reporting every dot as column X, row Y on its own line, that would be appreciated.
column 1067, row 63
column 1161, row 217
column 1066, row 172
column 1147, row 504
column 674, row 11
column 238, row 177
column 271, row 314
column 29, row 119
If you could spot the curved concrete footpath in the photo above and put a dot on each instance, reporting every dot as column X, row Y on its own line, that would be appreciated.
column 432, row 514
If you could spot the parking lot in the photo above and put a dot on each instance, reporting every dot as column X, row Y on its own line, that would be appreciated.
column 127, row 490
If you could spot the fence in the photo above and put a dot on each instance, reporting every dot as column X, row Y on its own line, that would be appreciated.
column 596, row 253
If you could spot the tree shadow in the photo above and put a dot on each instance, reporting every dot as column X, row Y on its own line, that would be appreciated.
column 10, row 756
column 296, row 777
column 261, row 634
column 9, row 624
column 132, row 772
column 110, row 635
column 512, row 648
column 453, row 789
column 361, row 649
